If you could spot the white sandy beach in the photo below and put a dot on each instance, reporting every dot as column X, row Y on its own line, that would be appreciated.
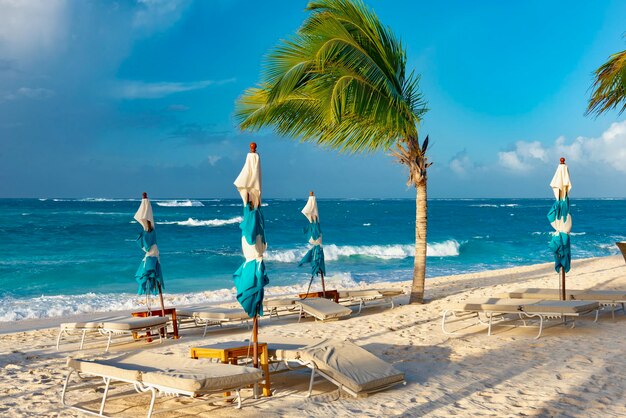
column 578, row 372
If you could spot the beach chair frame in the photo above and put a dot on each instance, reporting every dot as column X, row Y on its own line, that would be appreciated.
column 315, row 371
column 139, row 387
column 494, row 317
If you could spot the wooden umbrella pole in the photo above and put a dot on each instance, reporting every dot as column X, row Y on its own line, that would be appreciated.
column 323, row 286
column 161, row 297
column 255, row 341
column 562, row 283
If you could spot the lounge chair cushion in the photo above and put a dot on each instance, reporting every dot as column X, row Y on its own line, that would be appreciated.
column 528, row 305
column 129, row 324
column 222, row 314
column 390, row 292
column 116, row 368
column 347, row 363
column 82, row 325
column 323, row 309
column 365, row 294
column 277, row 303
column 201, row 375
column 171, row 371
column 571, row 294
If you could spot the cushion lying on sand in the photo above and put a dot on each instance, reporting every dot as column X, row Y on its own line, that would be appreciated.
column 127, row 324
column 181, row 373
column 350, row 365
column 570, row 294
column 527, row 305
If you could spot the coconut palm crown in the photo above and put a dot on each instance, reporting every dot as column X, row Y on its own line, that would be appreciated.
column 609, row 87
column 341, row 82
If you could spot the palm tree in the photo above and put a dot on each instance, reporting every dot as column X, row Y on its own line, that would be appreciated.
column 609, row 86
column 341, row 82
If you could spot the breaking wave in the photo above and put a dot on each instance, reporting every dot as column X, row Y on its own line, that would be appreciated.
column 210, row 222
column 179, row 203
column 449, row 248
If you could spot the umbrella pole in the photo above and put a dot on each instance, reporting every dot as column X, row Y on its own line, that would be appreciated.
column 255, row 341
column 323, row 286
column 562, row 283
column 161, row 297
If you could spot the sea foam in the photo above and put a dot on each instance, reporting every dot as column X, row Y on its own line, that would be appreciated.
column 13, row 309
column 332, row 252
column 198, row 222
column 179, row 203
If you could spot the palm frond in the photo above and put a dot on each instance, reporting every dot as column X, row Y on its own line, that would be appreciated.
column 340, row 82
column 609, row 86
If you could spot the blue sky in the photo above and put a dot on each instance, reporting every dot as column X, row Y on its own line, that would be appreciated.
column 104, row 98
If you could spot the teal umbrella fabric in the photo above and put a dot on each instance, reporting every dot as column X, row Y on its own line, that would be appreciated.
column 148, row 276
column 313, row 231
column 251, row 277
column 561, row 219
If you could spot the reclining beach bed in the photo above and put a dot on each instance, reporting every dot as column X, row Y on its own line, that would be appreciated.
column 203, row 316
column 363, row 296
column 110, row 327
column 606, row 298
column 167, row 375
column 319, row 308
column 351, row 368
column 276, row 306
column 495, row 311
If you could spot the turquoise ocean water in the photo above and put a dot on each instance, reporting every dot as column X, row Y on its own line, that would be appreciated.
column 64, row 256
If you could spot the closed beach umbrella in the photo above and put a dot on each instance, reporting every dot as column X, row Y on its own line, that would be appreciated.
column 148, row 275
column 313, row 231
column 561, row 220
column 251, row 278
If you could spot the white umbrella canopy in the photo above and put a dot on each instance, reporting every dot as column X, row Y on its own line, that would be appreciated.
column 315, row 256
column 144, row 213
column 251, row 278
column 561, row 220
column 149, row 276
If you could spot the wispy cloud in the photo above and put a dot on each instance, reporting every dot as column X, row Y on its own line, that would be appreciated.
column 29, row 93
column 159, row 13
column 142, row 90
column 195, row 133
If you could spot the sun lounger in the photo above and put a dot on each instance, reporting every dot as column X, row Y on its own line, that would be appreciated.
column 363, row 296
column 351, row 368
column 161, row 374
column 321, row 309
column 606, row 298
column 205, row 316
column 277, row 306
column 112, row 326
column 493, row 311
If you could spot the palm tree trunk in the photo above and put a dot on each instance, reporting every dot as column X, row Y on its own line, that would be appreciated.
column 419, row 264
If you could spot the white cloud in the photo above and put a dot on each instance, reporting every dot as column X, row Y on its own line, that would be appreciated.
column 213, row 159
column 511, row 161
column 31, row 27
column 460, row 163
column 141, row 90
column 608, row 149
column 524, row 156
